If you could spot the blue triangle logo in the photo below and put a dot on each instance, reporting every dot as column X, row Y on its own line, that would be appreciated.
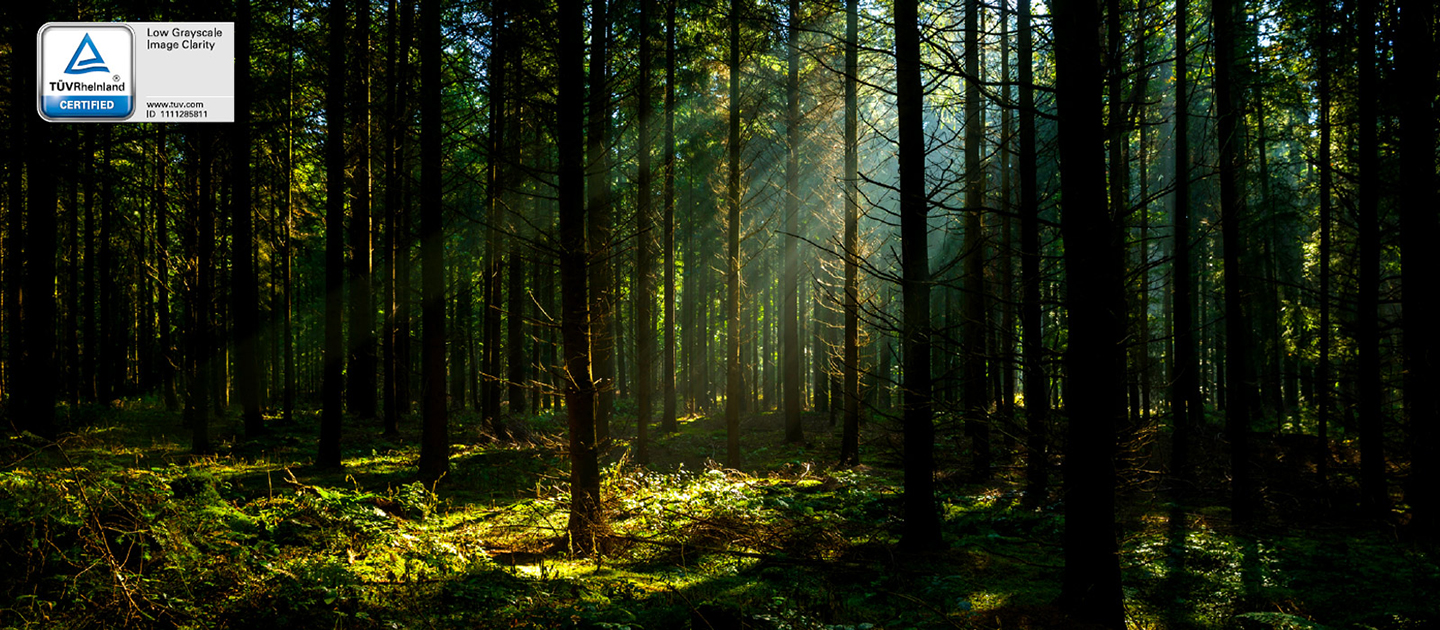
column 93, row 63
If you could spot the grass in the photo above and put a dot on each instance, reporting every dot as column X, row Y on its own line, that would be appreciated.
column 118, row 525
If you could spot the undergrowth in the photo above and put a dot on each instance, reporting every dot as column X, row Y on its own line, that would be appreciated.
column 115, row 526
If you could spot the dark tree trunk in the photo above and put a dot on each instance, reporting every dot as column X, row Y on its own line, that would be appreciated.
column 1323, row 384
column 667, row 378
column 1240, row 386
column 35, row 393
column 1373, row 494
column 514, row 334
column 389, row 359
column 1095, row 298
column 732, row 259
column 790, row 305
column 973, row 387
column 850, row 434
column 361, row 390
column 1185, row 402
column 921, row 532
column 435, row 432
column 166, row 370
column 601, row 275
column 1419, row 265
column 644, row 233
column 244, row 290
column 333, row 384
column 202, row 348
column 580, row 389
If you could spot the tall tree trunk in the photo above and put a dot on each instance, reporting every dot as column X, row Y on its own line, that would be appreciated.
column 601, row 274
column 644, row 233
column 362, row 387
column 331, row 410
column 579, row 388
column 287, row 329
column 435, row 431
column 732, row 260
column 14, row 269
column 390, row 247
column 921, row 532
column 166, row 371
column 973, row 309
column 202, row 347
column 667, row 378
column 35, row 393
column 244, row 290
column 1373, row 495
column 514, row 334
column 1031, row 315
column 1095, row 298
column 790, row 305
column 497, row 179
column 1323, row 385
column 1419, row 265
column 850, row 434
column 1240, row 386
column 1186, row 405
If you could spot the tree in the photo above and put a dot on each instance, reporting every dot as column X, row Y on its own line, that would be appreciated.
column 330, row 411
column 732, row 259
column 921, row 532
column 579, row 388
column 644, row 233
column 244, row 290
column 667, row 412
column 1037, row 384
column 849, row 441
column 1374, row 497
column 790, row 304
column 1419, row 265
column 973, row 389
column 1240, row 385
column 1185, row 402
column 362, row 373
column 1095, row 299
column 601, row 275
column 435, row 428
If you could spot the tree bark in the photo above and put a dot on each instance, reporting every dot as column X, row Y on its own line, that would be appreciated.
column 667, row 377
column 973, row 389
column 435, row 431
column 1373, row 494
column 921, row 532
column 732, row 259
column 579, row 388
column 601, row 274
column 850, row 433
column 361, row 390
column 1095, row 298
column 330, row 411
column 644, row 232
column 244, row 290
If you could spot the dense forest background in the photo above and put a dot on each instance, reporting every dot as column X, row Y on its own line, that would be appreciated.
column 1111, row 295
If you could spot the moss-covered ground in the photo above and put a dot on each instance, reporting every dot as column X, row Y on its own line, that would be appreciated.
column 118, row 525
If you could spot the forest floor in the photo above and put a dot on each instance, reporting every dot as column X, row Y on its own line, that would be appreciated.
column 118, row 525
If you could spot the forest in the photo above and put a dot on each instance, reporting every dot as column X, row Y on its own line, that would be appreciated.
column 723, row 314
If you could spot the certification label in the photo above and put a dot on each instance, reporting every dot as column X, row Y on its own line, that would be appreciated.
column 137, row 72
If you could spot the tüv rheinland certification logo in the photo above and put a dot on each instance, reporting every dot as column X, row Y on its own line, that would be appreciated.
column 87, row 72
